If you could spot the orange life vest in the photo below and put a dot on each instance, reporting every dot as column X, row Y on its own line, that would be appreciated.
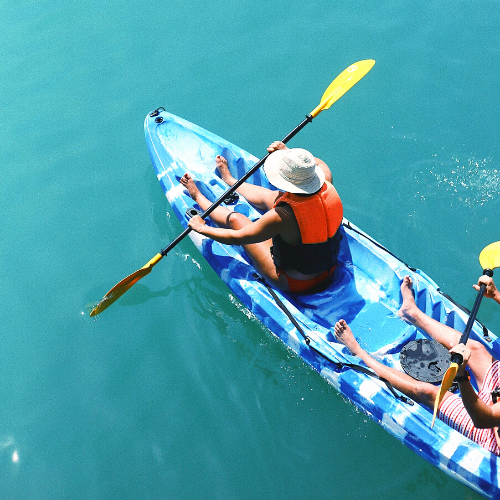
column 319, row 217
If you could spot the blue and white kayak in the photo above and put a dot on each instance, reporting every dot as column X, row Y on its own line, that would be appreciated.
column 365, row 291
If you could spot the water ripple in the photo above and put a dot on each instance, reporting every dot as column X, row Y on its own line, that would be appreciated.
column 472, row 181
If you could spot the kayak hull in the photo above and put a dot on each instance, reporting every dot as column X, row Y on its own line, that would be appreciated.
column 365, row 291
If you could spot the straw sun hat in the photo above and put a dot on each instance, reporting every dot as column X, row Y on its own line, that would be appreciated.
column 294, row 170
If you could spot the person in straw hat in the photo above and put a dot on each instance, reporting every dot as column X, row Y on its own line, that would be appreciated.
column 295, row 244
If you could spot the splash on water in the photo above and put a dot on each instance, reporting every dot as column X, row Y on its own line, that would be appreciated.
column 471, row 181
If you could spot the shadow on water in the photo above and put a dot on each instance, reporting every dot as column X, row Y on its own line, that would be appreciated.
column 159, row 205
column 140, row 294
column 137, row 295
column 248, row 340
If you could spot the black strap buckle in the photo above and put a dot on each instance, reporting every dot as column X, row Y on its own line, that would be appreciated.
column 231, row 198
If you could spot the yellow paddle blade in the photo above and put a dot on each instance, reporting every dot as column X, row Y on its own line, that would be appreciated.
column 347, row 79
column 118, row 290
column 489, row 258
column 446, row 383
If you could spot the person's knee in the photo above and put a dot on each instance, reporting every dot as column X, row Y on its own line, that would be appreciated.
column 476, row 347
column 480, row 357
column 235, row 220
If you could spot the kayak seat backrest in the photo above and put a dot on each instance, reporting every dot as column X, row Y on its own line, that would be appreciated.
column 357, row 297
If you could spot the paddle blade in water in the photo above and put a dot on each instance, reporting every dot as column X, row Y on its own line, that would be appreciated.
column 446, row 383
column 489, row 258
column 347, row 79
column 118, row 290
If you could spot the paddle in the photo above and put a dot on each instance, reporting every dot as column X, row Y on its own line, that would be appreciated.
column 489, row 258
column 347, row 79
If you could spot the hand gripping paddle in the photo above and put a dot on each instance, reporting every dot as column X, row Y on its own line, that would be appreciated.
column 489, row 258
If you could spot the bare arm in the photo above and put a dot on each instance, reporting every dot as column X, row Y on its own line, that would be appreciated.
column 483, row 416
column 264, row 228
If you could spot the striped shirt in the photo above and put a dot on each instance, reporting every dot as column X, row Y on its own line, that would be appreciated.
column 453, row 413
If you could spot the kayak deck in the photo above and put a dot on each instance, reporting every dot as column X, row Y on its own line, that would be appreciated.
column 364, row 290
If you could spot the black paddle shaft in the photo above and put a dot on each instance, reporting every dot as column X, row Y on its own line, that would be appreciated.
column 458, row 358
column 235, row 186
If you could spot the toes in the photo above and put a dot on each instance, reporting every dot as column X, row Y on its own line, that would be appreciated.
column 408, row 281
column 340, row 326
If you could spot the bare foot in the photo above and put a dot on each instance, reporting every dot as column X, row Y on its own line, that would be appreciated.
column 409, row 309
column 345, row 336
column 188, row 182
column 221, row 164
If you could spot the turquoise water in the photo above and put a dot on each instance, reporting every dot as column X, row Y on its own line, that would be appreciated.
column 174, row 392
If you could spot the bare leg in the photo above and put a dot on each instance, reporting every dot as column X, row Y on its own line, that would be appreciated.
column 260, row 197
column 480, row 359
column 422, row 392
column 259, row 253
column 219, row 215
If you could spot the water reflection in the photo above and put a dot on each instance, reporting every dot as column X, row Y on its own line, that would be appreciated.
column 8, row 445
